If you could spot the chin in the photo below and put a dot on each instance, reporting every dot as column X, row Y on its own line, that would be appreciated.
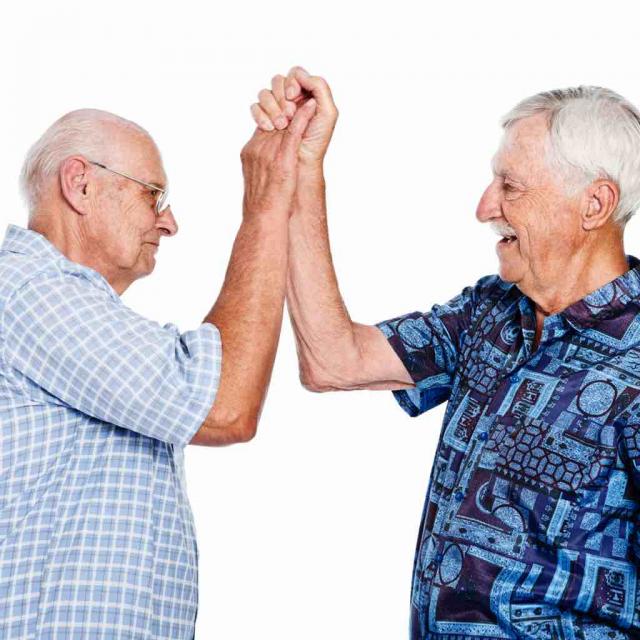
column 145, row 270
column 509, row 273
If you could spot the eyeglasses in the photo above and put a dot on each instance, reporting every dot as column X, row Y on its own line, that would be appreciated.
column 161, row 195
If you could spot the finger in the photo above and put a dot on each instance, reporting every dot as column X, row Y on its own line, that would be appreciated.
column 292, row 87
column 318, row 88
column 299, row 123
column 278, row 90
column 261, row 118
column 270, row 106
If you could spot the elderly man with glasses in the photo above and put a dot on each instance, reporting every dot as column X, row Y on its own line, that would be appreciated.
column 97, row 403
column 531, row 524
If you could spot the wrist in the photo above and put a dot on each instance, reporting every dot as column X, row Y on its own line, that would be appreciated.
column 268, row 215
column 311, row 170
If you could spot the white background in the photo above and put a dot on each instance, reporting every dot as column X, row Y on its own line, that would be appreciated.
column 309, row 530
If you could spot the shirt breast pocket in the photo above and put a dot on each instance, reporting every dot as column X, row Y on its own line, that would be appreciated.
column 545, row 471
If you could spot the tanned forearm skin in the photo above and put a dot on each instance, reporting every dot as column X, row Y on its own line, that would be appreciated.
column 248, row 314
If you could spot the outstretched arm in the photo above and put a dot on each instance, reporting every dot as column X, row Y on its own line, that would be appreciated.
column 334, row 352
column 248, row 311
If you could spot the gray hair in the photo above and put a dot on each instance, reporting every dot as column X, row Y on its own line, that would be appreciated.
column 593, row 133
column 83, row 132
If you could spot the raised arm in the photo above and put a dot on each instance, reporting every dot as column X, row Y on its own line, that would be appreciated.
column 334, row 352
column 248, row 311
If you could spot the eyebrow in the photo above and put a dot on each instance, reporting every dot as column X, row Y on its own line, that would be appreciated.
column 504, row 173
column 157, row 185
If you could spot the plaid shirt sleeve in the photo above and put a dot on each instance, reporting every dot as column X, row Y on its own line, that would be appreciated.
column 429, row 343
column 85, row 349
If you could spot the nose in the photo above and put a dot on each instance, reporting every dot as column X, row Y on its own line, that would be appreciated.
column 489, row 205
column 166, row 223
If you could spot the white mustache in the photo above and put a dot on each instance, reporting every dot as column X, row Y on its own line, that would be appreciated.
column 502, row 229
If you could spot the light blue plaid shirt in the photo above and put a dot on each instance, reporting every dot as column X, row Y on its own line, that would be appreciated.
column 96, row 405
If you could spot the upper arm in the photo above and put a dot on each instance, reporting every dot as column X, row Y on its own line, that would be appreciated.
column 426, row 346
column 380, row 366
column 415, row 354
column 69, row 342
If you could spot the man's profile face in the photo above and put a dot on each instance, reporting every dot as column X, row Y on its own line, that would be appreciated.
column 526, row 200
column 125, row 228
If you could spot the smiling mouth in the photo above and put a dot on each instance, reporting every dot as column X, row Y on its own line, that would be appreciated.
column 507, row 239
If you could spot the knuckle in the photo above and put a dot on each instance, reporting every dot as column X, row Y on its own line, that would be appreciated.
column 319, row 81
column 248, row 151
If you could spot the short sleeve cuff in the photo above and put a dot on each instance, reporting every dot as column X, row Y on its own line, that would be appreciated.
column 202, row 356
column 429, row 391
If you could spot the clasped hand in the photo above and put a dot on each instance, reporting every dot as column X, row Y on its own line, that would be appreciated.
column 295, row 121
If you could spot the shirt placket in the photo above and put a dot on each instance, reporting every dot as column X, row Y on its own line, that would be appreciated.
column 554, row 328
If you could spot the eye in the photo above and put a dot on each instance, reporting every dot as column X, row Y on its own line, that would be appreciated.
column 511, row 190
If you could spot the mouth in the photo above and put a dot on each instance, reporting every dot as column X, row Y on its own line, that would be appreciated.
column 508, row 239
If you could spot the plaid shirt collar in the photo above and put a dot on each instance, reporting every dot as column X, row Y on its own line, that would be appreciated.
column 31, row 243
column 28, row 242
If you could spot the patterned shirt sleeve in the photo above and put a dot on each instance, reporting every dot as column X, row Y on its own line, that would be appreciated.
column 71, row 343
column 429, row 343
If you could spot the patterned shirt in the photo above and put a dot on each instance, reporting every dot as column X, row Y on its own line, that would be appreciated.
column 531, row 524
column 96, row 406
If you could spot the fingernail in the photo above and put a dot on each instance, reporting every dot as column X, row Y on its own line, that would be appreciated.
column 291, row 92
column 290, row 109
column 280, row 122
column 268, row 125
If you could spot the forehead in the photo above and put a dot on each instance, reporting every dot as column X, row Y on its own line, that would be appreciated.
column 138, row 155
column 523, row 147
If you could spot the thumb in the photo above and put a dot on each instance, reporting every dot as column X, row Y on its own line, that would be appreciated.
column 303, row 115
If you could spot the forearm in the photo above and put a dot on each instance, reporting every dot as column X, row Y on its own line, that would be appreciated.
column 325, row 335
column 248, row 314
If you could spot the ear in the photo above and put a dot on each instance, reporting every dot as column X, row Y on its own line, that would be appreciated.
column 75, row 173
column 602, row 200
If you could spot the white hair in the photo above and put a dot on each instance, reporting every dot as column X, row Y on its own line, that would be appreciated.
column 593, row 133
column 85, row 132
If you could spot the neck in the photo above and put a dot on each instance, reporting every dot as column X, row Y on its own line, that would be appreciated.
column 73, row 243
column 571, row 278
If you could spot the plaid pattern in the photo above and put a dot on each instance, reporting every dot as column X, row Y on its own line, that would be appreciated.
column 97, row 538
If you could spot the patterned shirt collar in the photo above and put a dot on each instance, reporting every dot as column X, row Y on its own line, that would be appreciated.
column 608, row 301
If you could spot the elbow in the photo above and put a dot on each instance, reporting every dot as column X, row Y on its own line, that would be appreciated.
column 333, row 373
column 313, row 385
column 317, row 381
column 243, row 429
column 218, row 433
column 310, row 380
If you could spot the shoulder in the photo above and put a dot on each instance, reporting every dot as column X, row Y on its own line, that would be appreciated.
column 21, row 272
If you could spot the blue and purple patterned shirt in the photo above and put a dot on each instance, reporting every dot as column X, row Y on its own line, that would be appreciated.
column 531, row 524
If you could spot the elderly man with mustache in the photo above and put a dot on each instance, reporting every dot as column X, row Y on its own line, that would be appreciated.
column 97, row 403
column 531, row 524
